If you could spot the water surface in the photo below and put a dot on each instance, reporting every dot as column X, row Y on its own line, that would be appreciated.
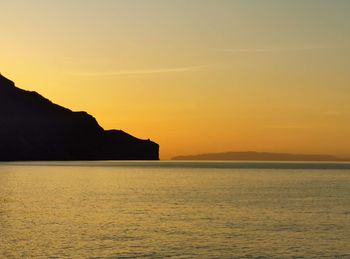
column 174, row 209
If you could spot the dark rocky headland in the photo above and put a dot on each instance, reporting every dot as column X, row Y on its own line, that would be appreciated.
column 32, row 128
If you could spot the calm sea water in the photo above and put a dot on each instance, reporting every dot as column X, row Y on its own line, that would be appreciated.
column 174, row 210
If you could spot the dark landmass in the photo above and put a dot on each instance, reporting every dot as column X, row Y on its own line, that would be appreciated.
column 32, row 128
column 259, row 156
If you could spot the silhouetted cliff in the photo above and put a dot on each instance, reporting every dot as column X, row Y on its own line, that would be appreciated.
column 34, row 128
column 259, row 156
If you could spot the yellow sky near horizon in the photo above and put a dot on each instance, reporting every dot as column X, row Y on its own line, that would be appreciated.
column 195, row 76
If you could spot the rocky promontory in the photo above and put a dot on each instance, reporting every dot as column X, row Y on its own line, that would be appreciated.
column 32, row 128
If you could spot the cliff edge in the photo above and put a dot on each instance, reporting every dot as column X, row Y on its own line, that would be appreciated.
column 32, row 128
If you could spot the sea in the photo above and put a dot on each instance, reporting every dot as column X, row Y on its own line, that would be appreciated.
column 174, row 209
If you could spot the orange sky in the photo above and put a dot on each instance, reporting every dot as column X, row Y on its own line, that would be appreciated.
column 195, row 76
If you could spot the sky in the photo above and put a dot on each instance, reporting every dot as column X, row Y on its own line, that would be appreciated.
column 196, row 76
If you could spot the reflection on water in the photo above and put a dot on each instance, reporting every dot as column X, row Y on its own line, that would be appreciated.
column 177, row 209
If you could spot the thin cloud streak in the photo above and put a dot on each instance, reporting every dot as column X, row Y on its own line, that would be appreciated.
column 140, row 72
column 268, row 50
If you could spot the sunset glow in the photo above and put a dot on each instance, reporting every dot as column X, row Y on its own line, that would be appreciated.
column 195, row 76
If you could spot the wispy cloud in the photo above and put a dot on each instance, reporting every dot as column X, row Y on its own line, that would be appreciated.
column 140, row 72
column 274, row 49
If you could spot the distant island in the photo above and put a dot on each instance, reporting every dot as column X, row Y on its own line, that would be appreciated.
column 32, row 128
column 259, row 156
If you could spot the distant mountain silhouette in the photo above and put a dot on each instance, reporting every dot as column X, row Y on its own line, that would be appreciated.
column 259, row 156
column 34, row 128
